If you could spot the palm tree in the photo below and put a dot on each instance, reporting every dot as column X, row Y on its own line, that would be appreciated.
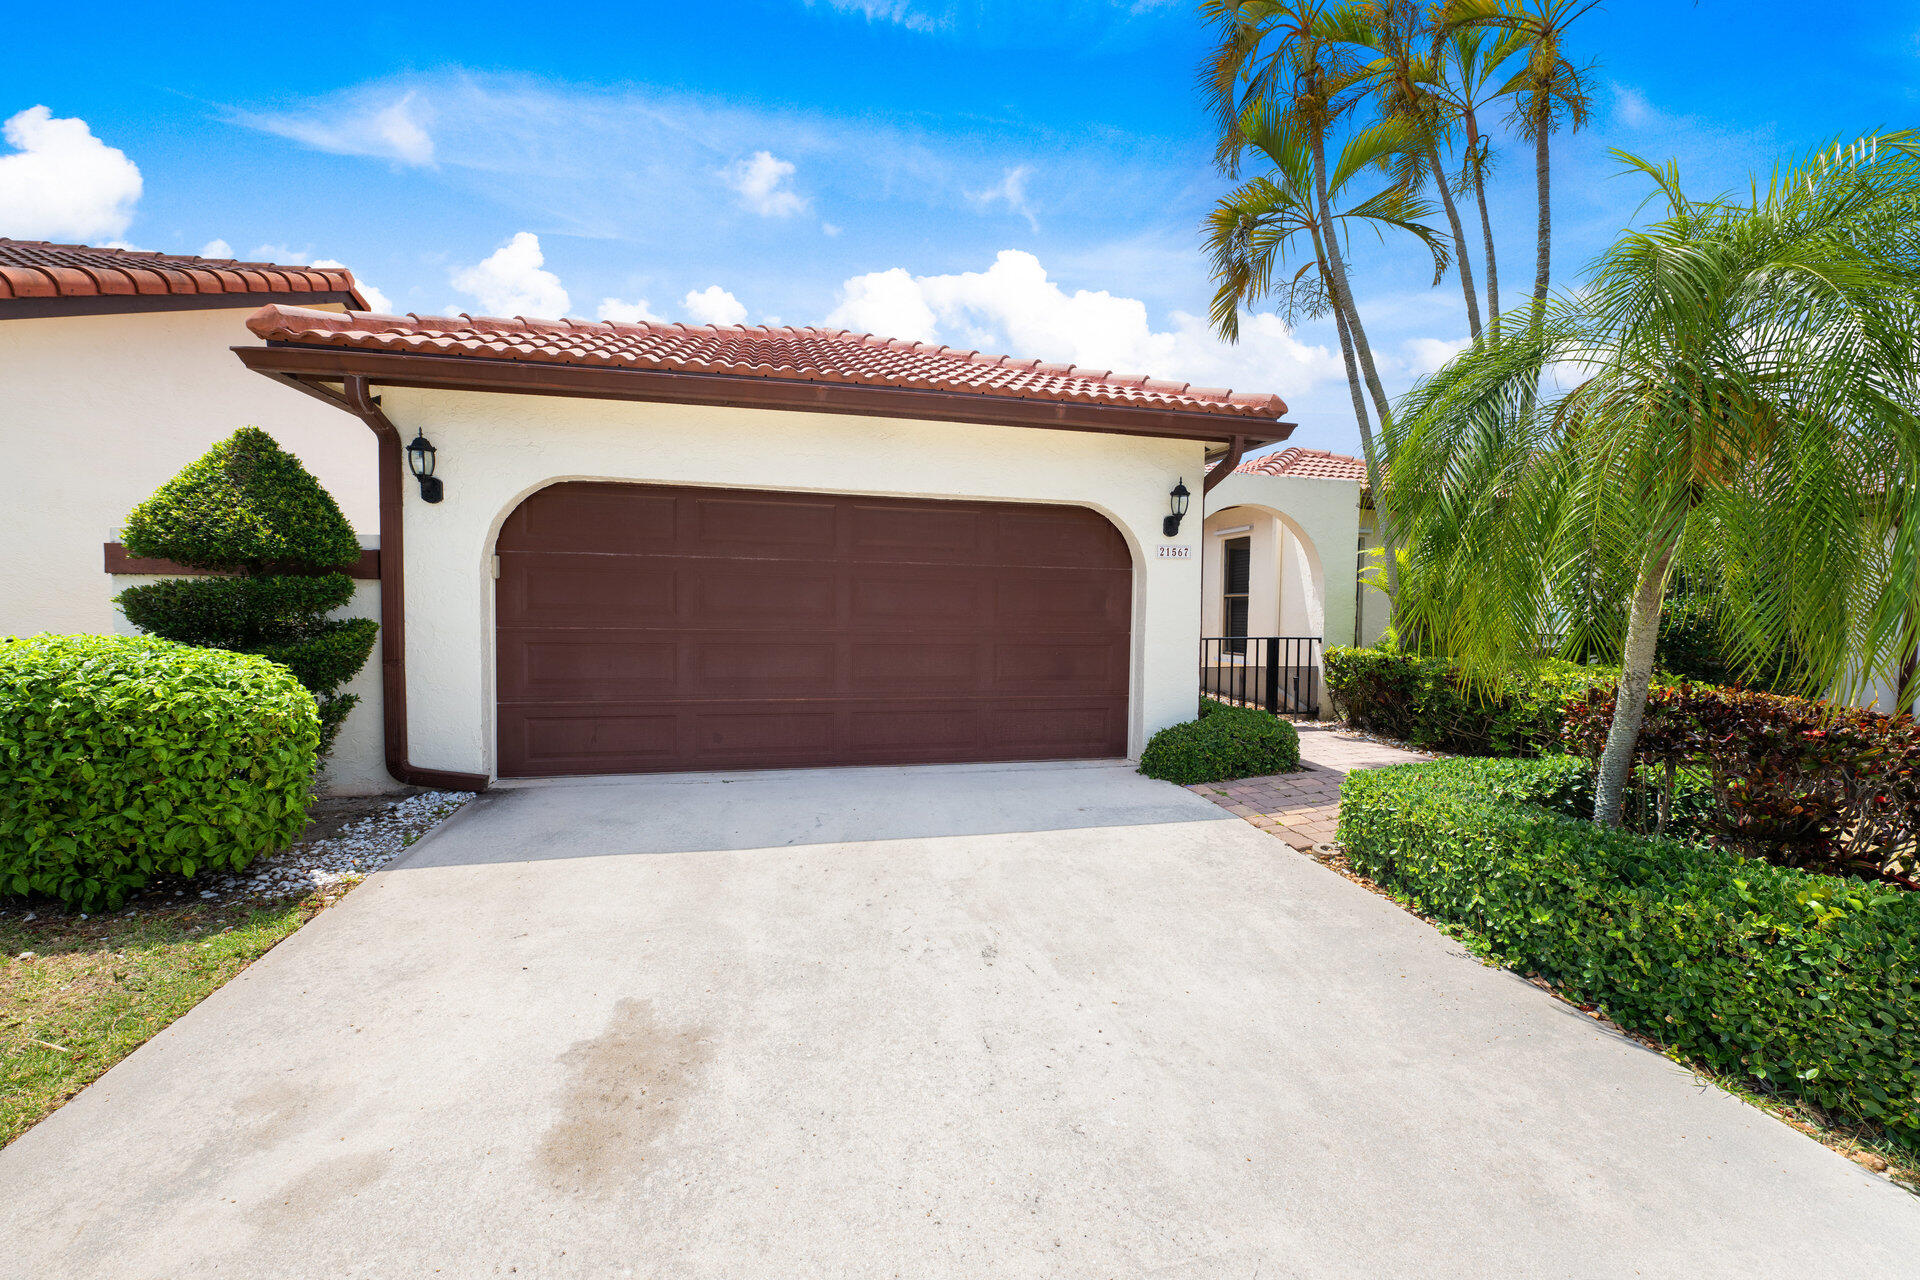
column 1738, row 379
column 1548, row 91
column 1463, row 69
column 1402, row 78
column 1260, row 227
column 1288, row 55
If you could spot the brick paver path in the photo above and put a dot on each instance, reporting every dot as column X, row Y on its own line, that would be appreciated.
column 1301, row 808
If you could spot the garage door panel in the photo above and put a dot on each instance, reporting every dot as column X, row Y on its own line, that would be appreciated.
column 572, row 665
column 747, row 630
column 907, row 665
column 768, row 526
column 571, row 590
column 603, row 518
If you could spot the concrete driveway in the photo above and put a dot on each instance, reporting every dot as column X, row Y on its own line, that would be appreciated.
column 980, row 1021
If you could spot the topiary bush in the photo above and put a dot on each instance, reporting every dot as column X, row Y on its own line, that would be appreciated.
column 1800, row 982
column 1225, row 742
column 125, row 758
column 249, row 507
column 1423, row 701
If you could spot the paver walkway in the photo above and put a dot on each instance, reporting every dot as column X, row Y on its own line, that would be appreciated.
column 1302, row 808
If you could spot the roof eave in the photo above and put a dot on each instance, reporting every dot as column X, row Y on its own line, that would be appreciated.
column 298, row 363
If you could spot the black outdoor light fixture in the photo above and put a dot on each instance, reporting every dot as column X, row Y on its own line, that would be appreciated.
column 1170, row 527
column 420, row 460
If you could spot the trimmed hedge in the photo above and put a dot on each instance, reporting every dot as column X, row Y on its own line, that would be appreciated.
column 245, row 504
column 249, row 506
column 122, row 759
column 1423, row 701
column 1225, row 742
column 1805, row 983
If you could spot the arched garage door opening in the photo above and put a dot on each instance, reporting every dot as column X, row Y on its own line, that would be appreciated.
column 643, row 628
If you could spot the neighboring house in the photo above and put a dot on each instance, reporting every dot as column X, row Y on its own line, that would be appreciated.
column 1289, row 537
column 665, row 547
column 115, row 372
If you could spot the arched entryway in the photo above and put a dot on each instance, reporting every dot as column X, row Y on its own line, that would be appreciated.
column 642, row 628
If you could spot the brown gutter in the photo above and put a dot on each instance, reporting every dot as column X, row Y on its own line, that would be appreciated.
column 300, row 364
column 357, row 399
column 1224, row 468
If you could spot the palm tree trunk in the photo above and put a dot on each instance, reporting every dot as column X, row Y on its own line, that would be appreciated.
column 1630, row 699
column 1336, row 270
column 1543, row 251
column 1459, row 243
column 1486, row 226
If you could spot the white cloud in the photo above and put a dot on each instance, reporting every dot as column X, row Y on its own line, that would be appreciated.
column 829, row 229
column 216, row 248
column 1631, row 108
column 513, row 281
column 1011, row 191
column 1426, row 355
column 714, row 305
column 1015, row 308
column 620, row 312
column 761, row 180
column 362, row 126
column 61, row 182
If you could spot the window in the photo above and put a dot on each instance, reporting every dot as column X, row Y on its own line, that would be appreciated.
column 1233, row 612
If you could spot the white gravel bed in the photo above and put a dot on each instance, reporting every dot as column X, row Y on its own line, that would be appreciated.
column 359, row 848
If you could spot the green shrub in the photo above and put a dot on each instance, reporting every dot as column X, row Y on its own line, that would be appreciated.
column 122, row 759
column 1422, row 701
column 1805, row 983
column 1225, row 742
column 245, row 504
column 250, row 507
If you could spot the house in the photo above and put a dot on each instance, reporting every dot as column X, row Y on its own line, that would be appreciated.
column 1288, row 536
column 618, row 548
column 115, row 372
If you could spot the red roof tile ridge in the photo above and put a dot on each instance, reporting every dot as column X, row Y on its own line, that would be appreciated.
column 48, row 269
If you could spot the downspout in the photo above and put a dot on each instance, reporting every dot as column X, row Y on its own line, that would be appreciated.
column 1221, row 470
column 360, row 401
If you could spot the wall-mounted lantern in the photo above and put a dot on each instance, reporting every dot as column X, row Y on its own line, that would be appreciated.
column 420, row 456
column 1170, row 527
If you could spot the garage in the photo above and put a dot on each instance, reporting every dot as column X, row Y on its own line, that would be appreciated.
column 646, row 627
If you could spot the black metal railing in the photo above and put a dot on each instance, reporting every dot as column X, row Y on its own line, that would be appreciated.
column 1280, row 674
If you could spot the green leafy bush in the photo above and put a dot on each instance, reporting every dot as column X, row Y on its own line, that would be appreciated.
column 1800, row 982
column 250, row 507
column 122, row 759
column 1794, row 781
column 245, row 504
column 1422, row 701
column 1225, row 742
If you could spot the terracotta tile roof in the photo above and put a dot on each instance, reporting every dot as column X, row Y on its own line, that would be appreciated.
column 35, row 269
column 741, row 351
column 1313, row 464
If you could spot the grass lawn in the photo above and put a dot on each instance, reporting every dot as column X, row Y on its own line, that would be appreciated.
column 94, row 990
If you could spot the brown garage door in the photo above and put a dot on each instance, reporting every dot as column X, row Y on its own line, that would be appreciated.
column 646, row 628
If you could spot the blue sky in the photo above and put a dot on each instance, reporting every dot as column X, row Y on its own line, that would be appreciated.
column 1023, row 177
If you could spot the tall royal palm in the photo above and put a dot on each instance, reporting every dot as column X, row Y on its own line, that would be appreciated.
column 1548, row 92
column 1285, row 54
column 1264, row 238
column 1740, row 380
column 1465, row 70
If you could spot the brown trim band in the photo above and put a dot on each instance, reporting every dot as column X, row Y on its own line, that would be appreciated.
column 118, row 561
column 106, row 304
column 462, row 373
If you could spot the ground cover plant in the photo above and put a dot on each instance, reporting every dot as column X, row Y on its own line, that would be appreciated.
column 125, row 758
column 1224, row 742
column 1794, row 982
column 248, row 509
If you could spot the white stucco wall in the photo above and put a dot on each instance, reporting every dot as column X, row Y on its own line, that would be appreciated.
column 1301, row 523
column 494, row 450
column 1376, row 607
column 96, row 412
